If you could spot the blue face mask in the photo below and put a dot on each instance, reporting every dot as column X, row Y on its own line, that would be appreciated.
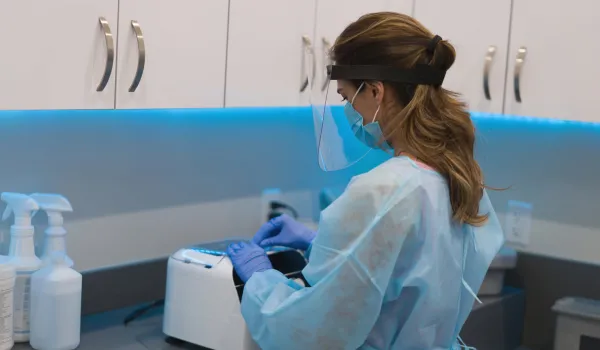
column 370, row 134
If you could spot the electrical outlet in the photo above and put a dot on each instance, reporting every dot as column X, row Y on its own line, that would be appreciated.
column 268, row 195
column 518, row 222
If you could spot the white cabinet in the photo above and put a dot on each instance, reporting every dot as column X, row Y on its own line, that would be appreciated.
column 203, row 53
column 479, row 31
column 267, row 46
column 333, row 16
column 54, row 54
column 268, row 42
column 559, row 74
column 184, row 45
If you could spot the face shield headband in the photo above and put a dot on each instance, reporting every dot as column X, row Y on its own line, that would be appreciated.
column 421, row 74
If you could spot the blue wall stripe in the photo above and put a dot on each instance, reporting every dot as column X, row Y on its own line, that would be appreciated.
column 237, row 113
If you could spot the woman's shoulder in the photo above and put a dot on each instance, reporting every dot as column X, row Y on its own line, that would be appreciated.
column 388, row 178
column 398, row 170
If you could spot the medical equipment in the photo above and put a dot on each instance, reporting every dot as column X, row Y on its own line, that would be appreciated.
column 338, row 144
column 370, row 134
column 577, row 324
column 56, row 305
column 277, row 208
column 21, row 254
column 54, row 241
column 203, row 294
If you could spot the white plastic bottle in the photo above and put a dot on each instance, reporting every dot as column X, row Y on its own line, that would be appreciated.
column 56, row 306
column 7, row 284
column 55, row 235
column 21, row 254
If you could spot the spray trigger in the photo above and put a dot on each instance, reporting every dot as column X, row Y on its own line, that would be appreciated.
column 7, row 212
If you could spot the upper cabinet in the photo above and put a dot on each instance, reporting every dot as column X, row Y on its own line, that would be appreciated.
column 171, row 53
column 63, row 54
column 274, row 51
column 57, row 54
column 479, row 31
column 551, row 65
column 269, row 43
column 333, row 16
column 519, row 57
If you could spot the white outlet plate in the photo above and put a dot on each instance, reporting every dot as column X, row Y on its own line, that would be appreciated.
column 268, row 195
column 518, row 222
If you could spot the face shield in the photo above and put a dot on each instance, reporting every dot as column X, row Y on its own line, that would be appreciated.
column 336, row 135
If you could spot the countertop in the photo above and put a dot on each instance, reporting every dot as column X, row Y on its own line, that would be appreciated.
column 106, row 331
column 485, row 328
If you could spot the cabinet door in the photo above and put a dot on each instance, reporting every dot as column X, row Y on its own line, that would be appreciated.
column 333, row 16
column 479, row 31
column 54, row 54
column 557, row 47
column 184, row 49
column 266, row 52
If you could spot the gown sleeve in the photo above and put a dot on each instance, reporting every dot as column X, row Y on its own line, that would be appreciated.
column 351, row 261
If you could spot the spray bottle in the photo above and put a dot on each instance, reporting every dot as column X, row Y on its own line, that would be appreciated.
column 54, row 205
column 55, row 305
column 21, row 255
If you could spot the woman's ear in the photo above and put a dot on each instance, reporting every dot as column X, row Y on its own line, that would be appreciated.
column 377, row 89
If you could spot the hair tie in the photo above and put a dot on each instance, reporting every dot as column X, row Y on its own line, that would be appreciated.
column 433, row 43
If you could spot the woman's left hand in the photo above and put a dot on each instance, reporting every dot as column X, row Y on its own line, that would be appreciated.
column 248, row 258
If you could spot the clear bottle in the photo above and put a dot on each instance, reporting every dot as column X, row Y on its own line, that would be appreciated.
column 56, row 306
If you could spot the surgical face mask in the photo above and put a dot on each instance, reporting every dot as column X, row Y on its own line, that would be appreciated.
column 370, row 134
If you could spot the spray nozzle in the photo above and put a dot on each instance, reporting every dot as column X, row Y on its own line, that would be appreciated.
column 54, row 205
column 21, row 205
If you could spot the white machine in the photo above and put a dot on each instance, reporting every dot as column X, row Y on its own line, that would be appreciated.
column 202, row 301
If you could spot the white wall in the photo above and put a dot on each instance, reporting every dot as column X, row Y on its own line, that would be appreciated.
column 144, row 183
column 555, row 166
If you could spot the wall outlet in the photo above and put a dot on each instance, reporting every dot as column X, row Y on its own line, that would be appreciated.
column 518, row 222
column 268, row 195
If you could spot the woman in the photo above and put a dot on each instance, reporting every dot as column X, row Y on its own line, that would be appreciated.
column 398, row 258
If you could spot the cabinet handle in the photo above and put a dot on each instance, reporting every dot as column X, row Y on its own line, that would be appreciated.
column 521, row 54
column 487, row 67
column 308, row 50
column 327, row 61
column 141, row 55
column 110, row 53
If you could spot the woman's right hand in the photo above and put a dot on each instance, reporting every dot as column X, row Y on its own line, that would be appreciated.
column 286, row 232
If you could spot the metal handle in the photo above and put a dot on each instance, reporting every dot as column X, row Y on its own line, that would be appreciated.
column 110, row 53
column 141, row 55
column 308, row 50
column 487, row 67
column 303, row 74
column 521, row 54
column 327, row 61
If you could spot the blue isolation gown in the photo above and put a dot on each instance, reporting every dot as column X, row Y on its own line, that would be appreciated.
column 389, row 269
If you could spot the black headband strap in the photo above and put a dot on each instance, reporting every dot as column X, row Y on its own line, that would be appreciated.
column 421, row 74
column 433, row 44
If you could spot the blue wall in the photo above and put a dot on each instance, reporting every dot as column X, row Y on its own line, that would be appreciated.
column 146, row 182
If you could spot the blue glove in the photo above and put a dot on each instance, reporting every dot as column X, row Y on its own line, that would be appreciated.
column 286, row 232
column 248, row 258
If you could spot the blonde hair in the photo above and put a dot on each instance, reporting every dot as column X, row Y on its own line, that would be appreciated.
column 425, row 121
